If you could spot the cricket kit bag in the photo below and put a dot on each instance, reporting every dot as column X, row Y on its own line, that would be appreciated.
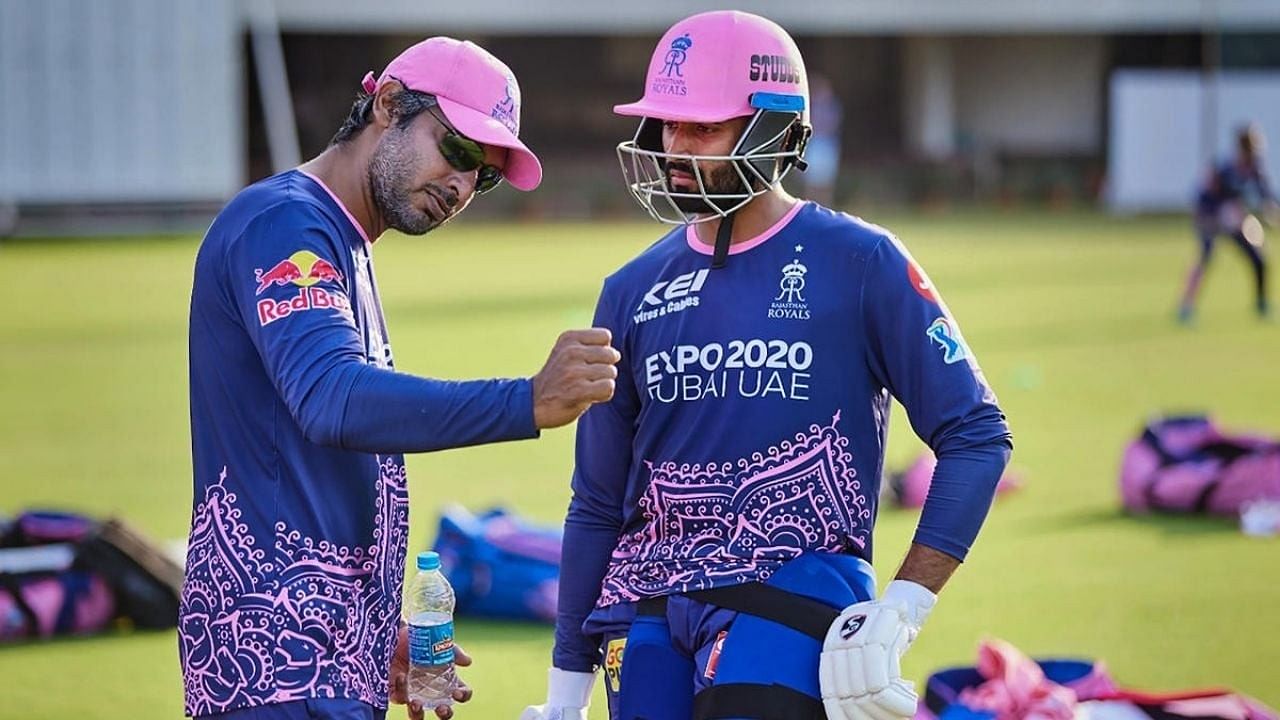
column 1007, row 685
column 499, row 565
column 1189, row 465
column 41, row 592
column 66, row 574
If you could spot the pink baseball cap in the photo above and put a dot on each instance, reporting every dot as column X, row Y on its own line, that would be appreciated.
column 707, row 67
column 477, row 92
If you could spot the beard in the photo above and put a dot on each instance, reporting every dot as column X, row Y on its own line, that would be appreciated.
column 720, row 179
column 391, row 172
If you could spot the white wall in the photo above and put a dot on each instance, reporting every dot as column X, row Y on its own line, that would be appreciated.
column 1033, row 94
column 929, row 106
column 120, row 100
column 1167, row 126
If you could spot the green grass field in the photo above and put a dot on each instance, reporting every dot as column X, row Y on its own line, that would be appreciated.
column 1071, row 316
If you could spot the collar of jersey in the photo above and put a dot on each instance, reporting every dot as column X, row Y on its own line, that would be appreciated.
column 342, row 207
column 691, row 235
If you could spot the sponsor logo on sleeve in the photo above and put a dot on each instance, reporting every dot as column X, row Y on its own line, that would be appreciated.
column 921, row 283
column 944, row 332
column 306, row 271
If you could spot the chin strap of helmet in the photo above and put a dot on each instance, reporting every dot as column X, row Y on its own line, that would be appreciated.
column 723, row 235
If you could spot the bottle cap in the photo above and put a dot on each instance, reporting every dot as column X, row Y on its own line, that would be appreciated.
column 429, row 560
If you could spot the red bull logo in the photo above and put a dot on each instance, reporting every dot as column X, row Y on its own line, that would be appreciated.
column 307, row 298
column 303, row 269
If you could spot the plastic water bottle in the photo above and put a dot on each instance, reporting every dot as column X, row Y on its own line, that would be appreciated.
column 429, row 613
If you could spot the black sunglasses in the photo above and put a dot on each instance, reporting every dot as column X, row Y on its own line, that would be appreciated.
column 461, row 152
column 466, row 155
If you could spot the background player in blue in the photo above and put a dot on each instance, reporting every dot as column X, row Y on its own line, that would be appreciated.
column 1222, row 209
column 291, row 602
column 724, row 499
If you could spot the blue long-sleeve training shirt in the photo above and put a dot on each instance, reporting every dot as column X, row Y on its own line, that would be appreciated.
column 298, row 532
column 1232, row 182
column 750, row 416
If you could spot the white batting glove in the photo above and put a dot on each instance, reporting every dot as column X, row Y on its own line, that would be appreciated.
column 860, row 670
column 568, row 695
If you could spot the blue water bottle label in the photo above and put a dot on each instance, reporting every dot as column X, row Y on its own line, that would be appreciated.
column 431, row 644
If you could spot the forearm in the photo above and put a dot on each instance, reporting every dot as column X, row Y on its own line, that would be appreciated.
column 928, row 567
column 374, row 410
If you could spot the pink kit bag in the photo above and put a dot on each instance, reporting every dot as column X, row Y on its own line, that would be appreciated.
column 1188, row 464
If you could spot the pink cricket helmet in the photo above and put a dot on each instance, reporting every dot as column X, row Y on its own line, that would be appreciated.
column 709, row 68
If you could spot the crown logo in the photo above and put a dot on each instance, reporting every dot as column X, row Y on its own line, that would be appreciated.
column 794, row 269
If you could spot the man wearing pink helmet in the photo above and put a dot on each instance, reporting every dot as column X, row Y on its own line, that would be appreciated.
column 291, row 602
column 720, row 533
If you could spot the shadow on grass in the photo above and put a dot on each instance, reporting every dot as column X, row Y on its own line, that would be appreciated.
column 1166, row 523
column 74, row 640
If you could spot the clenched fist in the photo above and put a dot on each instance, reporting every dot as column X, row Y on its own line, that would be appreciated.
column 579, row 372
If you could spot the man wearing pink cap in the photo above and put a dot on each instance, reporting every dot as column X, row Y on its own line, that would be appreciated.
column 724, row 499
column 291, row 602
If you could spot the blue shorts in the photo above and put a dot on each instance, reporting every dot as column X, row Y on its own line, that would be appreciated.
column 680, row 648
column 309, row 709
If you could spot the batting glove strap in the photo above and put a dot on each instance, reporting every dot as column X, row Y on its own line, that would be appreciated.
column 568, row 689
column 917, row 599
column 548, row 712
